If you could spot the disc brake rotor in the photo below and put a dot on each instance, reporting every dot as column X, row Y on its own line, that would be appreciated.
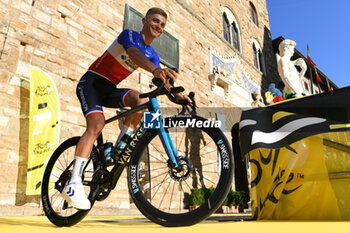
column 183, row 172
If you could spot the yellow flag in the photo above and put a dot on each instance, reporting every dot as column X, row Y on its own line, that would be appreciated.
column 293, row 183
column 43, row 127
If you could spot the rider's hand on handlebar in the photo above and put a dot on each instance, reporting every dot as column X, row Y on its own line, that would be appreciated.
column 180, row 96
column 164, row 73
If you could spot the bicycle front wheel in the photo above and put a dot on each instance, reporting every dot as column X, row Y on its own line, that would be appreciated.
column 58, row 171
column 165, row 194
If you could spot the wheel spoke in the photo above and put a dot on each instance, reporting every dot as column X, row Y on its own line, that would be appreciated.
column 160, row 174
column 181, row 191
column 189, row 187
column 171, row 197
column 183, row 135
column 210, row 181
column 209, row 152
column 212, row 172
column 160, row 168
column 159, row 160
column 158, row 152
column 207, row 144
column 208, row 164
column 159, row 186
column 166, row 190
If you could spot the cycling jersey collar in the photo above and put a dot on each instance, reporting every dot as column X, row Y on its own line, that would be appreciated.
column 143, row 41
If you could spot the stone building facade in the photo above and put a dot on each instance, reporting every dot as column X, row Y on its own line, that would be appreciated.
column 64, row 37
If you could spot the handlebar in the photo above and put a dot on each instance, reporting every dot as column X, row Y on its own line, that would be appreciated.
column 163, row 90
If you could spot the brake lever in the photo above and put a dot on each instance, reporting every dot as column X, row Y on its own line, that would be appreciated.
column 184, row 108
column 191, row 96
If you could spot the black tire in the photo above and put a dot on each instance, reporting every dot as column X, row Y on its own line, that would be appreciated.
column 161, row 193
column 57, row 172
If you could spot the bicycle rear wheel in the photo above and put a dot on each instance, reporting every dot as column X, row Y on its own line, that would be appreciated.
column 162, row 193
column 57, row 172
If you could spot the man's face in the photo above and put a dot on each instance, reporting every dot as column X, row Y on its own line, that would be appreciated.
column 155, row 24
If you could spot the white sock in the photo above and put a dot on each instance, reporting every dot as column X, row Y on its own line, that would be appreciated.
column 125, row 129
column 79, row 164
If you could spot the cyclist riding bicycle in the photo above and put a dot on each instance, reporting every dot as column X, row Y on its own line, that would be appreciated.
column 97, row 88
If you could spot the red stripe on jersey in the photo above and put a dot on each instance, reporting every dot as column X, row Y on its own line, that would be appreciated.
column 110, row 68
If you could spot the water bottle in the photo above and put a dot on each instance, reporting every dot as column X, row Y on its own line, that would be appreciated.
column 121, row 145
column 108, row 152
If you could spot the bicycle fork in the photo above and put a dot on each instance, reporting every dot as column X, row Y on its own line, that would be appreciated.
column 164, row 135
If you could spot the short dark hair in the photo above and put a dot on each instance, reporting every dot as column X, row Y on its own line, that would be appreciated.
column 156, row 10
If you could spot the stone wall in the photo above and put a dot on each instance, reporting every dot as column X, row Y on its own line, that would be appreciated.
column 64, row 37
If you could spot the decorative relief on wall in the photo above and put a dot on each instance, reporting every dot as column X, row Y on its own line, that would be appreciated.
column 229, row 73
column 220, row 77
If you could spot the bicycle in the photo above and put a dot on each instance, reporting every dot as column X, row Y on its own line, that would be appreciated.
column 162, row 169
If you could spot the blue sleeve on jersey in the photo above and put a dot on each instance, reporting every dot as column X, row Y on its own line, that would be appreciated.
column 155, row 59
column 127, row 39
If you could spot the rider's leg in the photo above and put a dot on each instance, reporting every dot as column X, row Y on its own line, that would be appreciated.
column 94, row 126
column 74, row 190
column 132, row 100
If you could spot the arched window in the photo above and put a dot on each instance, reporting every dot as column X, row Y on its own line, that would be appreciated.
column 235, row 36
column 258, row 56
column 226, row 27
column 231, row 31
column 253, row 14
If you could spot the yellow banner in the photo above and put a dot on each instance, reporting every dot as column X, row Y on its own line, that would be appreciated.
column 43, row 127
column 308, row 180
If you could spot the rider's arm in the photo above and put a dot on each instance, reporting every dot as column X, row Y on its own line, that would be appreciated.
column 142, row 61
column 129, row 40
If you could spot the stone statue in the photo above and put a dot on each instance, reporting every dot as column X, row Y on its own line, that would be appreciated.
column 259, row 101
column 287, row 70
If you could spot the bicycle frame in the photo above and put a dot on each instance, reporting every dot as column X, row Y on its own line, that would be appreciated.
column 125, row 155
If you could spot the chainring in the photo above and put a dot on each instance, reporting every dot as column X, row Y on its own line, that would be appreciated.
column 101, row 184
